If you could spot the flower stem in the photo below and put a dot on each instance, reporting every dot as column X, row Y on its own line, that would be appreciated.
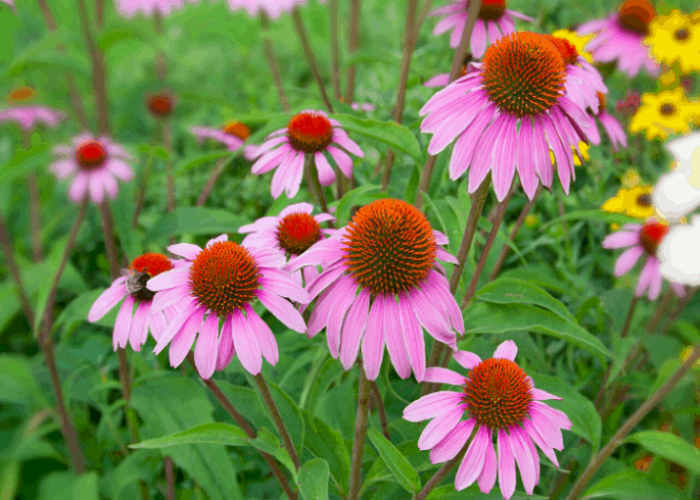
column 160, row 62
column 277, row 418
column 99, row 14
column 457, row 62
column 335, row 48
column 272, row 61
column 627, row 427
column 518, row 224
column 441, row 474
column 358, row 445
column 377, row 397
column 11, row 263
column 169, row 477
column 35, row 216
column 142, row 192
column 310, row 58
column 353, row 42
column 243, row 424
column 218, row 170
column 312, row 174
column 110, row 243
column 660, row 311
column 423, row 14
column 409, row 45
column 679, row 309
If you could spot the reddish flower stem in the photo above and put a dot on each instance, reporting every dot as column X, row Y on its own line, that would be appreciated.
column 12, row 266
column 358, row 445
column 423, row 14
column 34, row 215
column 353, row 42
column 310, row 58
column 169, row 477
column 218, row 170
column 272, row 62
column 381, row 410
column 335, row 48
column 141, row 197
column 409, row 45
column 312, row 174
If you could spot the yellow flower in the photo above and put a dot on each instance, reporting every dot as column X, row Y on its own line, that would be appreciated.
column 577, row 159
column 675, row 39
column 577, row 41
column 664, row 113
column 634, row 202
column 686, row 354
column 631, row 178
column 669, row 79
column 531, row 220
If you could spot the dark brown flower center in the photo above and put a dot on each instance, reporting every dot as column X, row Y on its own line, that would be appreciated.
column 681, row 35
column 492, row 10
column 636, row 15
column 90, row 154
column 667, row 109
column 644, row 200
column 142, row 269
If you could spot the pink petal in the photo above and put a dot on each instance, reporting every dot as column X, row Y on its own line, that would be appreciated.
column 487, row 478
column 473, row 462
column 627, row 260
column 506, row 350
column 122, row 324
column 246, row 344
column 353, row 328
column 394, row 338
column 78, row 188
column 326, row 175
column 467, row 359
column 373, row 341
column 106, row 301
column 266, row 339
column 226, row 349
column 439, row 428
column 535, row 436
column 169, row 279
column 621, row 239
column 540, row 395
column 343, row 161
column 506, row 465
column 283, row 310
column 138, row 331
column 453, row 442
column 186, row 250
column 523, row 459
column 337, row 304
column 432, row 405
column 182, row 342
column 206, row 350
column 413, row 338
column 440, row 375
column 174, row 326
column 279, row 283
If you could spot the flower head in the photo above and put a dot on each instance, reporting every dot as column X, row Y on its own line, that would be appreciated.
column 308, row 134
column 634, row 202
column 220, row 283
column 27, row 115
column 513, row 106
column 494, row 19
column 620, row 37
column 501, row 402
column 160, row 105
column 641, row 240
column 387, row 252
column 678, row 193
column 663, row 114
column 95, row 165
column 232, row 135
column 271, row 8
column 130, row 326
column 678, row 253
column 675, row 39
column 129, row 8
column 578, row 41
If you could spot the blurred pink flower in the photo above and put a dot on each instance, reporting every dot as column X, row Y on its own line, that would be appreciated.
column 616, row 133
column 365, row 106
column 308, row 133
column 272, row 8
column 493, row 19
column 233, row 135
column 501, row 402
column 27, row 115
column 220, row 282
column 11, row 3
column 95, row 166
column 129, row 8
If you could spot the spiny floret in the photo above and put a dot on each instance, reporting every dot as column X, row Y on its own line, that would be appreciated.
column 497, row 393
column 567, row 50
column 224, row 277
column 22, row 95
column 310, row 132
column 90, row 154
column 390, row 247
column 151, row 263
column 651, row 235
column 297, row 231
column 523, row 74
column 236, row 129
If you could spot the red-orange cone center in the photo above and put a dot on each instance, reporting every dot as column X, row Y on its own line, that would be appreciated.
column 492, row 10
column 161, row 105
column 297, row 231
column 90, row 154
column 143, row 268
column 310, row 132
column 651, row 235
column 636, row 15
column 236, row 129
column 22, row 95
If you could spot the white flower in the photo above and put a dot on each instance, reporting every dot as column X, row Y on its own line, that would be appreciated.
column 679, row 253
column 678, row 193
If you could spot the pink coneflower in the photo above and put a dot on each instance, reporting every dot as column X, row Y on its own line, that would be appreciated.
column 291, row 233
column 620, row 37
column 220, row 282
column 387, row 252
column 365, row 106
column 493, row 19
column 95, row 164
column 308, row 133
column 161, row 104
column 129, row 8
column 232, row 135
column 513, row 107
column 616, row 133
column 272, row 8
column 26, row 115
column 133, row 327
column 641, row 240
column 501, row 402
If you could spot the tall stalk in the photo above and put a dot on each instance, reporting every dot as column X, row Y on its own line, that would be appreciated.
column 272, row 62
column 358, row 445
column 335, row 48
column 353, row 41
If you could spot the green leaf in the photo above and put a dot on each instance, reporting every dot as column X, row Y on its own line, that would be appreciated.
column 473, row 493
column 633, row 485
column 328, row 373
column 513, row 291
column 194, row 220
column 313, row 480
column 204, row 159
column 247, row 402
column 357, row 197
column 269, row 444
column 142, row 465
column 216, row 433
column 373, row 54
column 172, row 404
column 483, row 317
column 400, row 468
column 69, row 486
column 596, row 215
column 327, row 443
column 24, row 162
column 17, row 384
column 57, row 62
column 115, row 35
column 670, row 447
column 123, row 214
column 390, row 133
column 157, row 151
column 413, row 183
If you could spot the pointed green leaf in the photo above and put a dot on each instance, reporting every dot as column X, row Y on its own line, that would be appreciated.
column 670, row 447
column 631, row 484
column 400, row 468
column 313, row 480
column 269, row 444
column 216, row 433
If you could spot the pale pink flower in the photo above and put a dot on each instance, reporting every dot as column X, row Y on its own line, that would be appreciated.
column 95, row 165
column 619, row 38
column 291, row 233
column 129, row 8
column 494, row 19
column 11, row 3
column 500, row 402
column 272, row 8
column 130, row 326
column 27, row 115
column 220, row 283
column 508, row 112
column 642, row 241
column 232, row 135
column 308, row 133
column 387, row 252
column 365, row 106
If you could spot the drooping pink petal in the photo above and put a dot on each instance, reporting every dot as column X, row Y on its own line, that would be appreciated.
column 523, row 459
column 206, row 350
column 413, row 338
column 123, row 323
column 432, row 405
column 467, row 359
column 473, row 463
column 226, row 349
column 186, row 250
column 245, row 343
column 439, row 427
column 506, row 350
column 138, row 331
column 266, row 339
column 438, row 375
column 373, row 341
column 627, row 260
column 174, row 326
column 353, row 328
column 506, row 465
column 621, row 239
column 283, row 310
column 487, row 478
column 539, row 441
column 453, row 442
column 394, row 338
column 182, row 342
column 106, row 301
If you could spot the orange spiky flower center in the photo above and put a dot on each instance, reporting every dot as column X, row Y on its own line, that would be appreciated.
column 90, row 154
column 651, row 235
column 389, row 247
column 310, row 132
column 491, row 10
column 22, row 95
column 636, row 15
column 497, row 393
column 236, row 129
column 224, row 277
column 161, row 105
column 523, row 74
column 567, row 50
column 297, row 231
column 142, row 269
